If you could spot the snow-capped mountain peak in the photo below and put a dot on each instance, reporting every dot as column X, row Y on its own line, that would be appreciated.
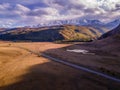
column 80, row 22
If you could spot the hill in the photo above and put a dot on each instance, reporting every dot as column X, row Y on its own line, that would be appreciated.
column 53, row 33
column 110, row 41
column 2, row 29
column 115, row 32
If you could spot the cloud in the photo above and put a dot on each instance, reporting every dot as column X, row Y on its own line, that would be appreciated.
column 22, row 8
column 28, row 12
column 4, row 6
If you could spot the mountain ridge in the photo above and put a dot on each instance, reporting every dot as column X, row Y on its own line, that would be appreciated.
column 53, row 33
column 81, row 22
column 112, row 32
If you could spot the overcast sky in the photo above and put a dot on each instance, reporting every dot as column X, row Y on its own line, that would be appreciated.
column 29, row 12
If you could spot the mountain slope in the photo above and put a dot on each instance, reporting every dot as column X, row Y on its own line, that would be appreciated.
column 53, row 33
column 84, row 22
column 2, row 29
column 109, row 42
column 113, row 32
column 113, row 24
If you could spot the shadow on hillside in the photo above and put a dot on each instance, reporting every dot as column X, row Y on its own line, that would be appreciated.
column 46, row 77
column 34, row 36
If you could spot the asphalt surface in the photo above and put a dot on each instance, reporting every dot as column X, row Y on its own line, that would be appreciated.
column 82, row 68
column 75, row 66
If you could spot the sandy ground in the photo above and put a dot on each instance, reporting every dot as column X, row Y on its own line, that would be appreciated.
column 22, row 70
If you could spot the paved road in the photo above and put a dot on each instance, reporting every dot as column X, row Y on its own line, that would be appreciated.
column 82, row 68
column 75, row 66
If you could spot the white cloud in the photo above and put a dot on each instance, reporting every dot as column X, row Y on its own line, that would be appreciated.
column 22, row 8
column 21, row 11
column 48, row 10
column 4, row 6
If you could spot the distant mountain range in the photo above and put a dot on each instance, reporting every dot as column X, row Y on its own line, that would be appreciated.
column 101, row 26
column 81, row 22
column 68, row 30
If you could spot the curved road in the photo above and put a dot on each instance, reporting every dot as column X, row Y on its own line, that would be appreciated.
column 74, row 65
column 82, row 68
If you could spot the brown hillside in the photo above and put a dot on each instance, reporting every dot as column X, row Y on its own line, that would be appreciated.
column 110, row 41
column 54, row 33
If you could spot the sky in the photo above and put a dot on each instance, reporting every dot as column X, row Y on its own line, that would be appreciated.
column 30, row 12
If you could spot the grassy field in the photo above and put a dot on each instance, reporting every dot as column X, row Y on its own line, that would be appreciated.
column 23, row 70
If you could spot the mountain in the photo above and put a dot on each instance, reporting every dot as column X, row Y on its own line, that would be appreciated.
column 109, row 42
column 52, row 33
column 113, row 24
column 76, row 21
column 2, row 29
column 113, row 32
column 81, row 22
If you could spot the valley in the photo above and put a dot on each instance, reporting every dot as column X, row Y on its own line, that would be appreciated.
column 23, row 69
column 59, row 44
column 41, row 65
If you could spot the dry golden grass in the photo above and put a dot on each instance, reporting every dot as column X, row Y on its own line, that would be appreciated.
column 23, row 70
column 81, row 33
